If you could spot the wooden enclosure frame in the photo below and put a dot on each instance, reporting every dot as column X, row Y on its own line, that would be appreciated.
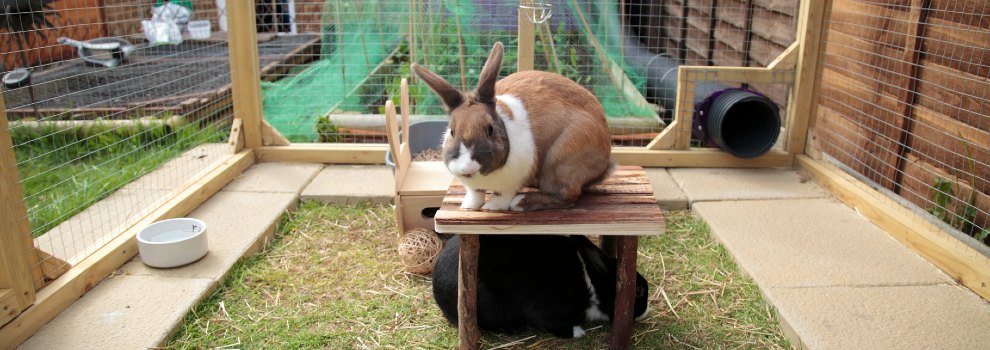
column 252, row 141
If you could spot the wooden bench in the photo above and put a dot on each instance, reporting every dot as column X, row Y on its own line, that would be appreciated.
column 621, row 209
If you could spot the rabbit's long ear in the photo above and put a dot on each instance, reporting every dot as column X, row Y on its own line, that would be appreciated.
column 485, row 92
column 450, row 96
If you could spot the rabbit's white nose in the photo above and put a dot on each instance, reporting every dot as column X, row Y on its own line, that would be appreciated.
column 463, row 165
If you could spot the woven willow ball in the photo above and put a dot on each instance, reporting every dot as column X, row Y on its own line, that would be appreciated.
column 418, row 249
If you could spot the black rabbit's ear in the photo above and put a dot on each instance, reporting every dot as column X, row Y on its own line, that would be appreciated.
column 594, row 258
column 485, row 92
column 450, row 96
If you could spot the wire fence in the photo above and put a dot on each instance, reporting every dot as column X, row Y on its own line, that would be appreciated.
column 107, row 124
column 905, row 105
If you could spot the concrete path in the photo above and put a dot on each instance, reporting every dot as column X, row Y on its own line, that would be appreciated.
column 836, row 280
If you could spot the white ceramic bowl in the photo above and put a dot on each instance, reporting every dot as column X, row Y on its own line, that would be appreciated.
column 172, row 242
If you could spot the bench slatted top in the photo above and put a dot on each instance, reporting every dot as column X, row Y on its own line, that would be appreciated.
column 622, row 205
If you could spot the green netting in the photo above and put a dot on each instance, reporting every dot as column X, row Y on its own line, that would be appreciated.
column 367, row 47
column 294, row 105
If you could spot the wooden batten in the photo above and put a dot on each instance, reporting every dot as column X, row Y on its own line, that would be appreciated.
column 805, row 94
column 324, row 153
column 526, row 38
column 244, row 71
column 271, row 137
column 47, row 269
column 15, row 259
column 64, row 290
column 958, row 260
column 236, row 140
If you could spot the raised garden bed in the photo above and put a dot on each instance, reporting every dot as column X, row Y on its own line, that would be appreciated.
column 191, row 79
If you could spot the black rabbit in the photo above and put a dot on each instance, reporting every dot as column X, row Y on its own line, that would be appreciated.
column 550, row 282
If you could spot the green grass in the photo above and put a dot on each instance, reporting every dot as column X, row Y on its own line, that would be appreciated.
column 332, row 280
column 64, row 171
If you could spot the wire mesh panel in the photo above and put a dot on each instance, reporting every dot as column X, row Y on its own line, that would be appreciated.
column 336, row 94
column 113, row 107
column 905, row 104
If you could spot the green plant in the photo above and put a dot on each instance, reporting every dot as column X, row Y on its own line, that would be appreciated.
column 65, row 170
column 328, row 130
column 963, row 218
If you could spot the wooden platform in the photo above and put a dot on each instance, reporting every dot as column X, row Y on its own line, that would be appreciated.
column 622, row 209
column 622, row 205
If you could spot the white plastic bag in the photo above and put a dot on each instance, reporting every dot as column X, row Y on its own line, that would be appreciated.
column 165, row 26
column 161, row 32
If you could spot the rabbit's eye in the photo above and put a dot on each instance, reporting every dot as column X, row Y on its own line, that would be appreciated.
column 451, row 132
column 490, row 130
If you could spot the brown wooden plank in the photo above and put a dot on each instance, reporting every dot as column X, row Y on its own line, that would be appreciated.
column 958, row 46
column 626, row 203
column 763, row 51
column 730, row 36
column 779, row 29
column 874, row 23
column 588, row 202
column 786, row 7
column 933, row 143
column 869, row 62
column 727, row 56
column 964, row 132
column 733, row 12
column 969, row 12
column 959, row 95
column 867, row 142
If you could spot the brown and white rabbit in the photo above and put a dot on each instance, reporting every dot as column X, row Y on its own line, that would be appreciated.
column 532, row 128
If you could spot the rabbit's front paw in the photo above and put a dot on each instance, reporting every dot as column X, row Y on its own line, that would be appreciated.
column 473, row 200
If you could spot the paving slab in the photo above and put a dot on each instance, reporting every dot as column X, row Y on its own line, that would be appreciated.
column 342, row 184
column 275, row 177
column 184, row 169
column 717, row 184
column 813, row 243
column 84, row 233
column 898, row 317
column 122, row 312
column 665, row 189
column 231, row 233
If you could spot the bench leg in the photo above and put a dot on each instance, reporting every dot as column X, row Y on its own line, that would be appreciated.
column 467, row 293
column 625, row 292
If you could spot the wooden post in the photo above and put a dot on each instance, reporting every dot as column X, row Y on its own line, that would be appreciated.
column 804, row 97
column 625, row 292
column 526, row 44
column 16, row 281
column 467, row 292
column 245, row 74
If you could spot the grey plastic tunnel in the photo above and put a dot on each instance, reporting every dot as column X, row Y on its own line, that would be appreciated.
column 741, row 122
